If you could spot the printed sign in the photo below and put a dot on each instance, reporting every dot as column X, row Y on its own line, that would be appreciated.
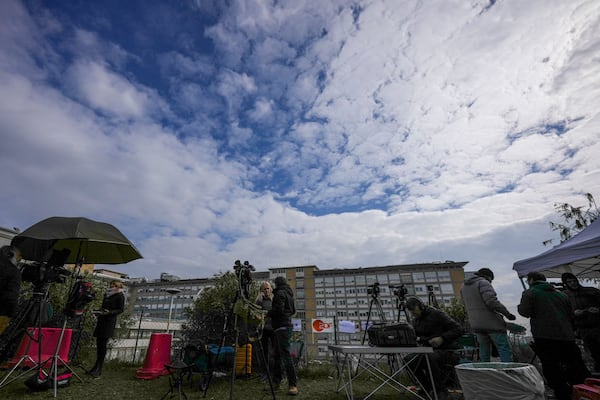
column 346, row 327
column 297, row 325
column 322, row 325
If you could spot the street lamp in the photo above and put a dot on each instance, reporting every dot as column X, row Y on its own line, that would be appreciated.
column 172, row 292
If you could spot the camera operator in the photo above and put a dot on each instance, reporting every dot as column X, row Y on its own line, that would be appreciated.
column 10, row 284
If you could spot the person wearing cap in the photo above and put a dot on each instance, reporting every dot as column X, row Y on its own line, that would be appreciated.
column 437, row 329
column 282, row 309
column 486, row 314
column 551, row 318
column 585, row 303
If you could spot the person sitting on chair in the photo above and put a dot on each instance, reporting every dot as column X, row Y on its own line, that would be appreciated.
column 434, row 328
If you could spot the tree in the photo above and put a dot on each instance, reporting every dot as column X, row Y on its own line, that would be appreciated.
column 456, row 310
column 575, row 219
column 206, row 321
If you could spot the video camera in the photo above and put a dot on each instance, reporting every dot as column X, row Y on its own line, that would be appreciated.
column 243, row 271
column 400, row 291
column 374, row 289
column 52, row 270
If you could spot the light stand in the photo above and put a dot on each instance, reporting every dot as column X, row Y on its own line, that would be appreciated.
column 172, row 292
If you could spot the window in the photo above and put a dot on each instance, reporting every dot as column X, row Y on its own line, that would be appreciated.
column 418, row 277
column 444, row 276
column 447, row 288
column 299, row 282
column 431, row 276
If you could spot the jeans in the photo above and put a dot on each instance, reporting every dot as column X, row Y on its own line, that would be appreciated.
column 282, row 356
column 500, row 340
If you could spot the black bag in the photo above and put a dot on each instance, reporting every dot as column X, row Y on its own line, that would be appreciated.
column 397, row 334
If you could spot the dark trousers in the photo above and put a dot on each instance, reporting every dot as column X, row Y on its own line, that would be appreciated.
column 442, row 363
column 282, row 356
column 591, row 340
column 562, row 365
column 267, row 341
column 101, row 347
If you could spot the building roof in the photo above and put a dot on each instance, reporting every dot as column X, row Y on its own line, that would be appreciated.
column 386, row 268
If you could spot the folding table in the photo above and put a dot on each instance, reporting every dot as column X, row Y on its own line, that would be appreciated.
column 367, row 359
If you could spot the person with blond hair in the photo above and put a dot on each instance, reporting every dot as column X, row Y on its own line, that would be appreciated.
column 267, row 340
column 113, row 304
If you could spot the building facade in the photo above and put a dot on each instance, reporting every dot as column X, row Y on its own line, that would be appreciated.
column 359, row 295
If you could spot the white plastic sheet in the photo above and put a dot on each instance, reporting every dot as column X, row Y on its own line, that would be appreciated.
column 500, row 381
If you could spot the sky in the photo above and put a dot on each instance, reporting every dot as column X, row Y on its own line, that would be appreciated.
column 340, row 134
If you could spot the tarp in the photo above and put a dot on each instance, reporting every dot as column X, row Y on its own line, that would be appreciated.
column 579, row 255
column 499, row 381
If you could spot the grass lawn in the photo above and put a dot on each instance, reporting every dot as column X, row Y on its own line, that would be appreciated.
column 118, row 382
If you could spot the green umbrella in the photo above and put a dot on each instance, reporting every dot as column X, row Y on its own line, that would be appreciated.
column 87, row 241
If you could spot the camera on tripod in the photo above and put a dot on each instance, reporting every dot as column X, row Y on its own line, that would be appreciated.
column 374, row 289
column 400, row 291
column 243, row 271
column 52, row 270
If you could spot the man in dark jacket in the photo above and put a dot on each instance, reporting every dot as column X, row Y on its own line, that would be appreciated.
column 485, row 315
column 434, row 328
column 282, row 309
column 551, row 320
column 10, row 284
column 585, row 303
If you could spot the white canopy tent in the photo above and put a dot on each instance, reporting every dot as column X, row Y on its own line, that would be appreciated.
column 579, row 255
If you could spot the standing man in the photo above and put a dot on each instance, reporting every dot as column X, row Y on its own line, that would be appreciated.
column 282, row 309
column 585, row 303
column 485, row 315
column 10, row 284
column 551, row 320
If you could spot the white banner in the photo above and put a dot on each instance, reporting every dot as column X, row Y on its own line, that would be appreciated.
column 322, row 325
column 297, row 325
column 363, row 325
column 346, row 327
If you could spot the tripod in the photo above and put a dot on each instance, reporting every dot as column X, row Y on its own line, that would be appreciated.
column 400, row 294
column 374, row 292
column 431, row 296
column 30, row 315
column 41, row 275
column 241, row 306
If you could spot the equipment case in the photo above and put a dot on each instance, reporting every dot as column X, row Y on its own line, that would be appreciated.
column 398, row 334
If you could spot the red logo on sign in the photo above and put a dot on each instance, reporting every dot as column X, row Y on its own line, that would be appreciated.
column 320, row 326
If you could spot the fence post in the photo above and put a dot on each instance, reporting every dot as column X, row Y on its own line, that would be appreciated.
column 137, row 336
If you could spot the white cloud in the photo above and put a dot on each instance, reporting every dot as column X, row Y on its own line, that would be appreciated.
column 434, row 114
